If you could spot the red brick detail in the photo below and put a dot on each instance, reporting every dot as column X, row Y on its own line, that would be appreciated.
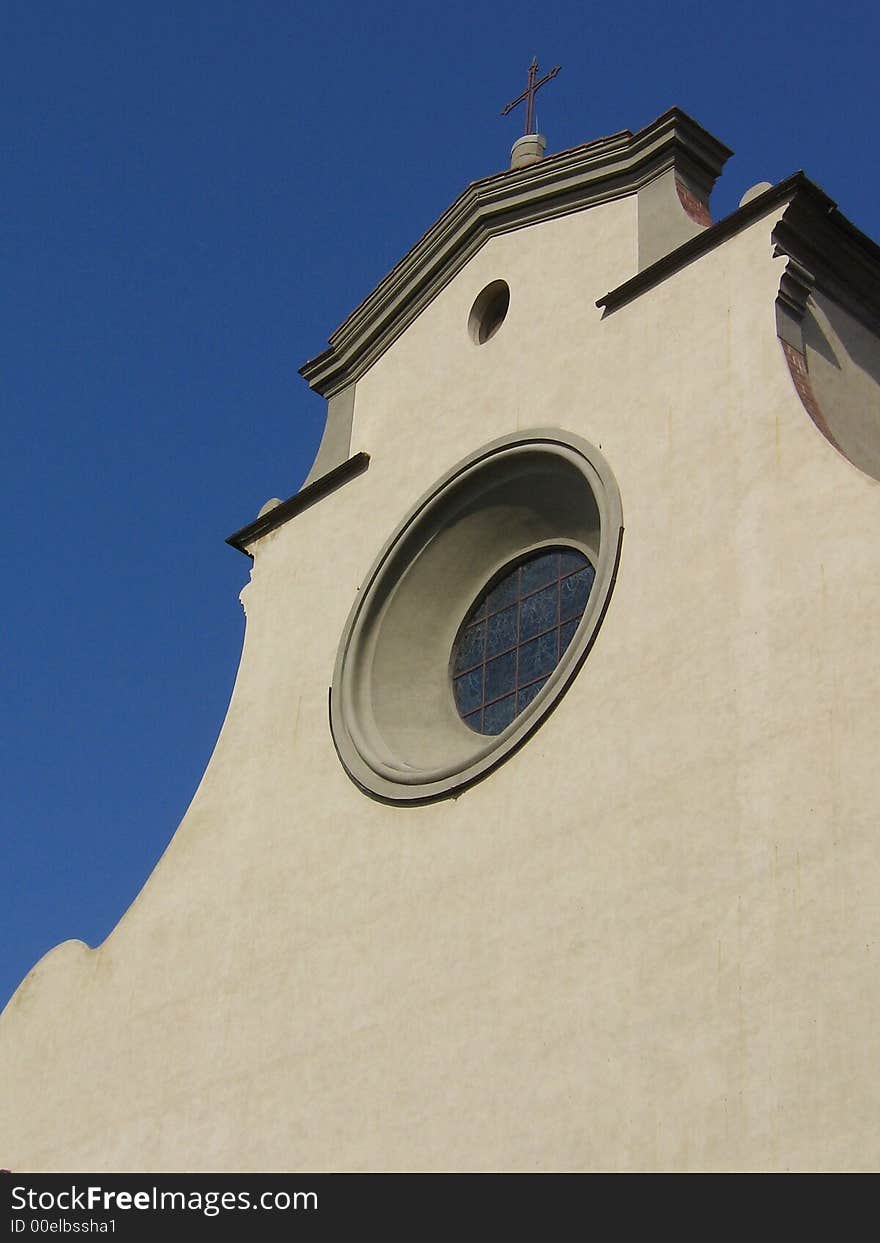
column 797, row 365
column 694, row 207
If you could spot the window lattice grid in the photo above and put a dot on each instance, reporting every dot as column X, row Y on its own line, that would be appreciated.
column 515, row 636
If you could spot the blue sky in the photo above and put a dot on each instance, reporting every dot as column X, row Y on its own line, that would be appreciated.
column 194, row 196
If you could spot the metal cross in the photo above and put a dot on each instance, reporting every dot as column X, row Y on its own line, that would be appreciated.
column 529, row 94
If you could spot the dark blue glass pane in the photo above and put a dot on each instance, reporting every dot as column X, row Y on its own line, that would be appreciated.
column 566, row 635
column 539, row 612
column 500, row 676
column 570, row 560
column 516, row 635
column 469, row 690
column 574, row 592
column 538, row 657
column 528, row 693
column 470, row 648
column 548, row 651
column 503, row 593
column 498, row 715
column 501, row 632
column 539, row 571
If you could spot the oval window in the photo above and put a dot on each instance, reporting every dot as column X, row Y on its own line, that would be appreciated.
column 489, row 312
column 515, row 635
column 476, row 615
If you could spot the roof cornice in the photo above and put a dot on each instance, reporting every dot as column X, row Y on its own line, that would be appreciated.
column 275, row 517
column 596, row 172
column 703, row 242
column 843, row 261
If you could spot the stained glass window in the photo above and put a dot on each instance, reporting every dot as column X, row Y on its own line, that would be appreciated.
column 515, row 635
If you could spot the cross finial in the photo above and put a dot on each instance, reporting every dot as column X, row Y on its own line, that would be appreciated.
column 529, row 94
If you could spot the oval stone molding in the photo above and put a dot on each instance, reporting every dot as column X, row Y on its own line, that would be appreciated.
column 392, row 713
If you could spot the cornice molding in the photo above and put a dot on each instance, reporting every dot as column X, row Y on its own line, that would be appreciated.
column 597, row 172
column 795, row 287
column 285, row 510
column 717, row 233
column 842, row 262
column 830, row 253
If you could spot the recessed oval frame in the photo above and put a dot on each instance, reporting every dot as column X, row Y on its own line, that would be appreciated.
column 489, row 311
column 392, row 713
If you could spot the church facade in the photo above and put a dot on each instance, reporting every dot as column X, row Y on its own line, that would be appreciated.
column 541, row 833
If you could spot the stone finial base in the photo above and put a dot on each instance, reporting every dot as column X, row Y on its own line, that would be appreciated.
column 527, row 150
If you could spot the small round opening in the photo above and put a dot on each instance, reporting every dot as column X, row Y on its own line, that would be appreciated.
column 488, row 312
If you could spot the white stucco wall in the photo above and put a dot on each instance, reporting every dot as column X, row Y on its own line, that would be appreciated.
column 650, row 938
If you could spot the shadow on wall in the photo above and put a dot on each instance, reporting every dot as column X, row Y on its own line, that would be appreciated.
column 843, row 360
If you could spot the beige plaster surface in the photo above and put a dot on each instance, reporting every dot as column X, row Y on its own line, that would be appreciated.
column 649, row 940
